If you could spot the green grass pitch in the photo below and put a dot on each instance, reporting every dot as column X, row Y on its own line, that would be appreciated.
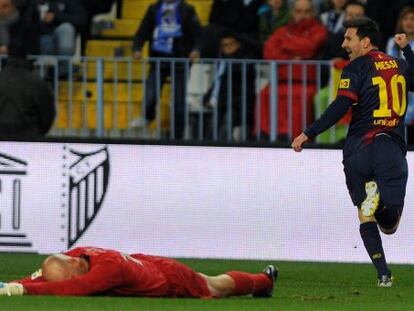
column 301, row 286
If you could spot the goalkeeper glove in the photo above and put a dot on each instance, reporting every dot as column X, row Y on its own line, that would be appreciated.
column 11, row 289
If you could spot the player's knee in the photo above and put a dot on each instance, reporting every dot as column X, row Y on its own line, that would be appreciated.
column 390, row 230
column 389, row 219
column 220, row 286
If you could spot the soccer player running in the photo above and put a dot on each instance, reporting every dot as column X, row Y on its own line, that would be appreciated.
column 375, row 85
column 85, row 271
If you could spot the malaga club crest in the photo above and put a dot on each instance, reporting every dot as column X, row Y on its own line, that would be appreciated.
column 50, row 193
column 87, row 174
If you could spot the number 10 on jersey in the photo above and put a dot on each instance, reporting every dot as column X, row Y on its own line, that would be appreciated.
column 398, row 105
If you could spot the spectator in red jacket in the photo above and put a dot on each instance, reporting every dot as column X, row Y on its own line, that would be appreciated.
column 301, row 39
column 85, row 271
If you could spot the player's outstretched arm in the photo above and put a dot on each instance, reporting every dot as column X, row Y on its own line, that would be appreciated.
column 335, row 111
column 102, row 277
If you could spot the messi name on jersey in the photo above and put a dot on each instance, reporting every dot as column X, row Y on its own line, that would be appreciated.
column 386, row 64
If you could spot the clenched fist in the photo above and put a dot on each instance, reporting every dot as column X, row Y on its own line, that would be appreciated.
column 401, row 40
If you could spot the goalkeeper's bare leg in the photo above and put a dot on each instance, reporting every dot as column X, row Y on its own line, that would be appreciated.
column 237, row 283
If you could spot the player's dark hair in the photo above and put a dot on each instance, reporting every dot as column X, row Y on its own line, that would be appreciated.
column 366, row 27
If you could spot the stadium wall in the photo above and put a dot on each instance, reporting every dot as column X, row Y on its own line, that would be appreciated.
column 185, row 201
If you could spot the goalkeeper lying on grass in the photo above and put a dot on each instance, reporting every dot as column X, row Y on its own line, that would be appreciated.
column 85, row 271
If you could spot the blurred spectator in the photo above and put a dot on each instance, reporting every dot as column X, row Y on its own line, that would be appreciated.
column 172, row 29
column 272, row 15
column 238, row 16
column 27, row 107
column 353, row 9
column 59, row 22
column 92, row 8
column 334, row 18
column 405, row 24
column 8, row 16
column 241, row 91
column 319, row 6
column 18, row 19
column 302, row 38
column 385, row 13
column 333, row 49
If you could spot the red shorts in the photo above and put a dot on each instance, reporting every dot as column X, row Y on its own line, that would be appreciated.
column 182, row 280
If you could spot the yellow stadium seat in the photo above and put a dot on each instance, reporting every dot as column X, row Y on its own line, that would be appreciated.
column 111, row 48
column 108, row 48
column 88, row 91
column 203, row 9
column 83, row 106
column 135, row 9
column 122, row 28
column 120, row 70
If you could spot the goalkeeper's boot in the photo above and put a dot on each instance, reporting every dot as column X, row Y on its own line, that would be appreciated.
column 272, row 273
column 385, row 281
column 372, row 200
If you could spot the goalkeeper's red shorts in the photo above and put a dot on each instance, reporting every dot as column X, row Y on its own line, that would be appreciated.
column 182, row 281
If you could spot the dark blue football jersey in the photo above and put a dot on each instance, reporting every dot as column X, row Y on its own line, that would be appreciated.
column 377, row 84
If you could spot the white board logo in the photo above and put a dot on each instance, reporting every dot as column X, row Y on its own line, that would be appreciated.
column 12, row 173
column 88, row 182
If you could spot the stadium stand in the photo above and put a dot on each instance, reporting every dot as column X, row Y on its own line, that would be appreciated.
column 122, row 101
column 122, row 76
column 77, row 104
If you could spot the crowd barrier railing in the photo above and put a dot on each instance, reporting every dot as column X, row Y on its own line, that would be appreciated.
column 174, row 99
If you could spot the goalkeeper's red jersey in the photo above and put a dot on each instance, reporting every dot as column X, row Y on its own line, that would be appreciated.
column 115, row 273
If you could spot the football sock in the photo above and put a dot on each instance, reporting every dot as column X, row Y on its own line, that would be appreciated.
column 248, row 283
column 387, row 217
column 373, row 244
